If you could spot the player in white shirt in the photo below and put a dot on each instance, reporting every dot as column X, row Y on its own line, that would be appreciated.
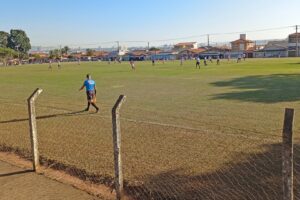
column 197, row 62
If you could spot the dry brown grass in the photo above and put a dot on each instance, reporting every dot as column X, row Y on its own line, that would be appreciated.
column 160, row 162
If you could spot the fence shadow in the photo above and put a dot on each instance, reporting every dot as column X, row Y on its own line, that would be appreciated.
column 258, row 176
column 45, row 117
column 16, row 173
column 262, row 88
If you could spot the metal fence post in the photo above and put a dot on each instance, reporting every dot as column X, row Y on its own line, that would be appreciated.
column 33, row 131
column 287, row 154
column 117, row 146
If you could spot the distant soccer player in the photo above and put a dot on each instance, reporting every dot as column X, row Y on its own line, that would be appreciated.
column 210, row 59
column 218, row 60
column 90, row 86
column 239, row 59
column 244, row 57
column 50, row 64
column 132, row 64
column 58, row 64
column 181, row 61
column 197, row 62
column 205, row 61
column 153, row 61
column 78, row 61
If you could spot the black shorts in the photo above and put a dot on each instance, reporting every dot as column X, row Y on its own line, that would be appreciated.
column 197, row 63
column 90, row 95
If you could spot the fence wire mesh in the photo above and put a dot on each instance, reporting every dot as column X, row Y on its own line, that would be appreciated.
column 160, row 160
column 176, row 163
column 14, row 128
column 77, row 142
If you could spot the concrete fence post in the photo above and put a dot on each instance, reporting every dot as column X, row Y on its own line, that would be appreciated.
column 117, row 146
column 287, row 154
column 32, row 127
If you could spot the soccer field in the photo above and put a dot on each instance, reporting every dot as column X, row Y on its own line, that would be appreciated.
column 178, row 123
column 228, row 94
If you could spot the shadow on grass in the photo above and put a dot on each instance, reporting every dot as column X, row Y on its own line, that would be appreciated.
column 262, row 88
column 44, row 117
column 256, row 176
column 297, row 63
column 16, row 173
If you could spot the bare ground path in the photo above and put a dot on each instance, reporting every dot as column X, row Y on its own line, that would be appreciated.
column 18, row 183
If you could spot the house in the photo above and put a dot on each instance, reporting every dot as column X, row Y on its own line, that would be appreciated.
column 185, row 45
column 116, row 54
column 242, row 46
column 163, row 55
column 100, row 55
column 215, row 52
column 190, row 53
column 78, row 55
column 292, row 44
column 137, row 55
column 38, row 57
column 276, row 48
column 38, row 54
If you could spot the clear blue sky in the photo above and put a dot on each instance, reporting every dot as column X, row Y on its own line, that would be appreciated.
column 80, row 22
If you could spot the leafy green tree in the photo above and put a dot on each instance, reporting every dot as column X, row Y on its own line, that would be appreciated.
column 6, row 54
column 154, row 49
column 3, row 39
column 19, row 41
column 90, row 52
column 36, row 56
column 54, row 54
column 65, row 50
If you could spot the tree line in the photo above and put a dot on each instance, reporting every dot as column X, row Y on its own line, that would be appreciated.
column 57, row 53
column 14, row 44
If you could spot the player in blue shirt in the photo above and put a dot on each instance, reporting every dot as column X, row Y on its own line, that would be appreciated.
column 90, row 86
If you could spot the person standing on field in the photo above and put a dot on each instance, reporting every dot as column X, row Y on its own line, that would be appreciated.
column 197, row 62
column 239, row 59
column 132, row 64
column 153, row 62
column 181, row 61
column 90, row 86
column 205, row 61
column 218, row 60
column 50, row 64
column 58, row 64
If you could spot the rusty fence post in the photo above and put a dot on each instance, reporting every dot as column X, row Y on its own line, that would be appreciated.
column 32, row 127
column 287, row 154
column 117, row 146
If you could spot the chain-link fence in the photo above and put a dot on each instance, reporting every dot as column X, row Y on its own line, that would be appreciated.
column 160, row 160
column 14, row 128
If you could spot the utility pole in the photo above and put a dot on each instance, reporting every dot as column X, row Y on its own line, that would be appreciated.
column 207, row 40
column 148, row 46
column 297, row 49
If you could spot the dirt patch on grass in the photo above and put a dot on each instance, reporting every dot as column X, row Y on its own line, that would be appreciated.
column 101, row 191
